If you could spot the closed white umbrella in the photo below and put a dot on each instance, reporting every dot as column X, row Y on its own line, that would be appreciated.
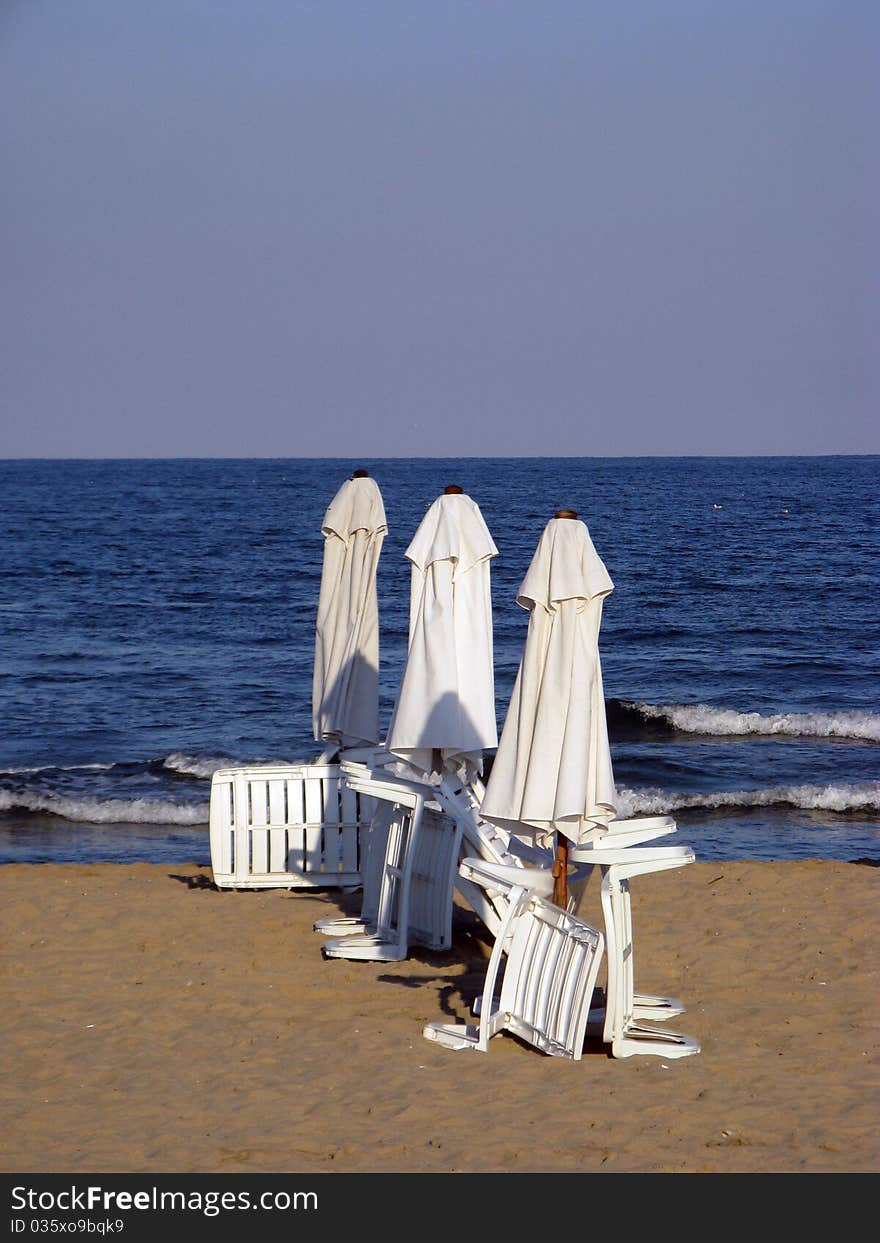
column 444, row 716
column 552, row 777
column 345, row 690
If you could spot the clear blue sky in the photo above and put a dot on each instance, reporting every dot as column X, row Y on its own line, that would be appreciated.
column 361, row 228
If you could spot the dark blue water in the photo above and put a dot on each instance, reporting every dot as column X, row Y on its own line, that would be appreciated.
column 157, row 621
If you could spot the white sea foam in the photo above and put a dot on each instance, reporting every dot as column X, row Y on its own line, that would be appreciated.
column 858, row 796
column 106, row 811
column 702, row 719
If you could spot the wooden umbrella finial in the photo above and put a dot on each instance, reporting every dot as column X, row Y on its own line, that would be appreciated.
column 565, row 513
column 360, row 474
column 452, row 489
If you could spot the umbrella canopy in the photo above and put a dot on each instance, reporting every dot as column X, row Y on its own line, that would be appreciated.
column 345, row 689
column 552, row 774
column 445, row 711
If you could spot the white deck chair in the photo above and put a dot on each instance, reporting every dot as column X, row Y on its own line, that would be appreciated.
column 548, row 972
column 459, row 804
column 462, row 799
column 296, row 826
column 625, row 1020
column 411, row 871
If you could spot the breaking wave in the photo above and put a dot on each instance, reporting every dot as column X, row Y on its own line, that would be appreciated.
column 105, row 811
column 725, row 722
column 206, row 765
column 196, row 765
column 861, row 796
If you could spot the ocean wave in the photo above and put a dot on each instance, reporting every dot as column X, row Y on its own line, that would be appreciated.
column 196, row 765
column 206, row 765
column 858, row 796
column 56, row 768
column 203, row 766
column 725, row 722
column 105, row 811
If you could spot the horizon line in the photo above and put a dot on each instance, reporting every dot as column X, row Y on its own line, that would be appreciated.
column 415, row 457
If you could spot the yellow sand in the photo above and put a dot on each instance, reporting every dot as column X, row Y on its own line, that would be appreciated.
column 153, row 1023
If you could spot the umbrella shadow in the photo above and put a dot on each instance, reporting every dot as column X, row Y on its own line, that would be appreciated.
column 446, row 726
column 348, row 708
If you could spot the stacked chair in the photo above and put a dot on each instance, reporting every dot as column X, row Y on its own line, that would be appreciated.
column 408, row 845
column 341, row 825
column 411, row 854
column 630, row 1021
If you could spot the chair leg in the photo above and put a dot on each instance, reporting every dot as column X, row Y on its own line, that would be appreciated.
column 625, row 1029
column 461, row 1036
column 645, row 1005
column 386, row 937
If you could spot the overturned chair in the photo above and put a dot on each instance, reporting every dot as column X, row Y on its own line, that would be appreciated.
column 293, row 826
column 548, row 960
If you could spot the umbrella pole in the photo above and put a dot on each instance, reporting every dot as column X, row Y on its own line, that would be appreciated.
column 560, row 872
column 560, row 864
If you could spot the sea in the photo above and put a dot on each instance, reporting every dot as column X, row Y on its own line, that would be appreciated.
column 157, row 622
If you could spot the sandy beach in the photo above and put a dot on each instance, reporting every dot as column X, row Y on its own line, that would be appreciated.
column 152, row 1023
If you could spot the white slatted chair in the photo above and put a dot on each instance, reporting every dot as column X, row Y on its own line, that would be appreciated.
column 625, row 1020
column 548, row 972
column 355, row 773
column 289, row 826
column 460, row 802
column 517, row 862
column 411, row 874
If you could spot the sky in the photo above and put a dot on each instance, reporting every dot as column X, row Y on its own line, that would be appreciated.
column 394, row 228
